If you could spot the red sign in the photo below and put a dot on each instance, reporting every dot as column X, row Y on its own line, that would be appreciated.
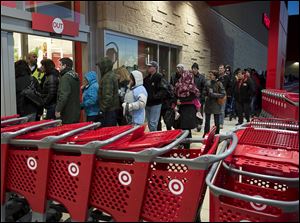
column 54, row 25
column 266, row 21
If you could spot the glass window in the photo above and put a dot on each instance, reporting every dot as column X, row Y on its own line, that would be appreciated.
column 147, row 53
column 164, row 61
column 61, row 9
column 121, row 50
column 17, row 46
column 173, row 60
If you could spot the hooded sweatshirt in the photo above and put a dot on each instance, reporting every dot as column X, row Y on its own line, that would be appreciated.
column 136, row 97
column 90, row 101
column 108, row 87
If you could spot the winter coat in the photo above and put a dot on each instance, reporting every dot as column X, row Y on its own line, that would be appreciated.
column 108, row 87
column 24, row 105
column 68, row 101
column 225, row 80
column 90, row 101
column 244, row 90
column 156, row 88
column 213, row 90
column 187, row 111
column 136, row 96
column 50, row 88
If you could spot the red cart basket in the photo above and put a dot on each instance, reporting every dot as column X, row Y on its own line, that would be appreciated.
column 28, row 160
column 280, row 104
column 8, row 133
column 13, row 121
column 175, row 186
column 255, row 184
column 3, row 118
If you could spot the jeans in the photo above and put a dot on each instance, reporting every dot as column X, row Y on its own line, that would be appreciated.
column 207, row 123
column 222, row 115
column 51, row 112
column 152, row 115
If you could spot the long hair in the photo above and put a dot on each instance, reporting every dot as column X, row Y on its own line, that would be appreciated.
column 123, row 74
column 48, row 65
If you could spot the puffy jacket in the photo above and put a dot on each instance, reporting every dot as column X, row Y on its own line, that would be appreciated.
column 50, row 88
column 136, row 96
column 68, row 101
column 108, row 87
column 90, row 101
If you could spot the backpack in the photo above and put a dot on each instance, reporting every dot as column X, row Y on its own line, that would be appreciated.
column 32, row 94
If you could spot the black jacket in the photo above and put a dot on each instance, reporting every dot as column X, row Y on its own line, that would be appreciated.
column 244, row 92
column 200, row 83
column 156, row 89
column 24, row 105
column 50, row 87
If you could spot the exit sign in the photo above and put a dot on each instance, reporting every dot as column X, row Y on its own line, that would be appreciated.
column 266, row 20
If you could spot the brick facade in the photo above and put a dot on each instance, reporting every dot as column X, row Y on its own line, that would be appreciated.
column 204, row 36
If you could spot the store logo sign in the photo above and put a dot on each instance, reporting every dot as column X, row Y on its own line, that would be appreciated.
column 58, row 25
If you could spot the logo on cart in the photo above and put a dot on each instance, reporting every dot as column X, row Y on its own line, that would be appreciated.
column 257, row 206
column 58, row 25
column 31, row 163
column 124, row 178
column 176, row 187
column 73, row 169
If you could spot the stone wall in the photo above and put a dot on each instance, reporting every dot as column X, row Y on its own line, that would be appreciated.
column 203, row 35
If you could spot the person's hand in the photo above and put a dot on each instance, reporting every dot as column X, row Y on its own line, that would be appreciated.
column 57, row 114
column 124, row 108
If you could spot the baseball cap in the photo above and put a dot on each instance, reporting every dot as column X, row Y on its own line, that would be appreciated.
column 152, row 64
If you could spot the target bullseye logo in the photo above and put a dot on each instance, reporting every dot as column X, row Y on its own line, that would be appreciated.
column 31, row 163
column 124, row 178
column 257, row 206
column 176, row 187
column 73, row 169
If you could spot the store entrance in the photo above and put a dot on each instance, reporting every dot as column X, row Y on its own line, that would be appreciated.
column 44, row 47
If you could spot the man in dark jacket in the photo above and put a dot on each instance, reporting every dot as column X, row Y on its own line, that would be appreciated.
column 68, row 95
column 243, row 91
column 200, row 83
column 223, row 78
column 156, row 94
column 108, row 93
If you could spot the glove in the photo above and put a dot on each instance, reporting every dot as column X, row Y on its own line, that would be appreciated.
column 124, row 108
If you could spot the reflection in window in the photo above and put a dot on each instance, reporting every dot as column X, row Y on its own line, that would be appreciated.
column 147, row 53
column 122, row 51
column 164, row 61
column 62, row 9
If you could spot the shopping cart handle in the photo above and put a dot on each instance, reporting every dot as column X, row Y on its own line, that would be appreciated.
column 91, row 147
column 144, row 156
column 286, row 206
column 290, row 181
column 13, row 120
column 6, row 136
column 153, row 152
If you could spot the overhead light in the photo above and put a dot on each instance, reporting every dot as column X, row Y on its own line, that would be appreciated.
column 296, row 63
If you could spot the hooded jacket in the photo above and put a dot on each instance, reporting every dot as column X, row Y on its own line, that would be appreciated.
column 136, row 97
column 68, row 97
column 108, row 87
column 90, row 101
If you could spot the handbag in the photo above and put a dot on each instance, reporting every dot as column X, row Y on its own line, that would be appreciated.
column 33, row 95
column 221, row 101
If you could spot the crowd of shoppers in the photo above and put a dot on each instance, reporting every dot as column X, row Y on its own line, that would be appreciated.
column 124, row 96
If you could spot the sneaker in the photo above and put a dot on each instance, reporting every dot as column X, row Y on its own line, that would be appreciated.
column 198, row 114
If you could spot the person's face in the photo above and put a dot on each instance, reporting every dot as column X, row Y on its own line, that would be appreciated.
column 61, row 66
column 212, row 76
column 33, row 59
column 221, row 69
column 131, row 82
column 195, row 71
column 151, row 69
column 179, row 70
column 227, row 71
column 240, row 75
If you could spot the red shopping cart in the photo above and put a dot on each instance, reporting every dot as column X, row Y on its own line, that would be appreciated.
column 7, row 133
column 3, row 118
column 280, row 104
column 71, row 168
column 255, row 184
column 175, row 186
column 27, row 163
column 13, row 121
column 272, row 123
